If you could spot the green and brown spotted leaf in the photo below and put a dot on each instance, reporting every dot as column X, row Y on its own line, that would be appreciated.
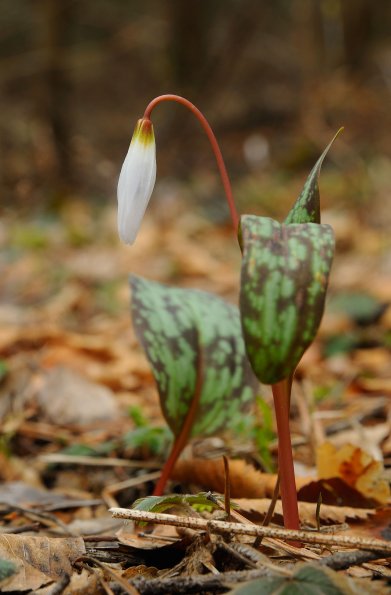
column 307, row 207
column 179, row 328
column 307, row 579
column 285, row 272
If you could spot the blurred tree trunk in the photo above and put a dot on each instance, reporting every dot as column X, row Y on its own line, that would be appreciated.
column 56, row 22
column 358, row 19
column 189, row 22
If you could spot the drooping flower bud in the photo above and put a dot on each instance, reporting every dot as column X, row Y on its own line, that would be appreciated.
column 136, row 181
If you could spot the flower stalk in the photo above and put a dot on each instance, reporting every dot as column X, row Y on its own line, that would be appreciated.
column 213, row 142
column 281, row 396
column 138, row 173
column 183, row 436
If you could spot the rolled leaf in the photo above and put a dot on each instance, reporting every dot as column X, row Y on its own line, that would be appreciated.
column 186, row 333
column 285, row 271
column 307, row 207
column 181, row 501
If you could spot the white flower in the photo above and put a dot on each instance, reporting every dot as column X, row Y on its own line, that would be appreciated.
column 136, row 181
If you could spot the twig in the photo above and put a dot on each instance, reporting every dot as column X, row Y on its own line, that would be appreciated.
column 236, row 549
column 45, row 518
column 342, row 560
column 215, row 583
column 123, row 485
column 317, row 512
column 64, row 459
column 286, row 547
column 234, row 514
column 61, row 585
column 98, row 538
column 235, row 554
column 130, row 589
column 270, row 511
column 21, row 529
column 247, row 552
column 249, row 529
column 227, row 489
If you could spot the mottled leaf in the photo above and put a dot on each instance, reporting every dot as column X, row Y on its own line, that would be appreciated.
column 185, row 333
column 285, row 271
column 308, row 579
column 307, row 207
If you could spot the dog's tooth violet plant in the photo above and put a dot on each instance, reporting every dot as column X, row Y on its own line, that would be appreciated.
column 285, row 271
column 197, row 358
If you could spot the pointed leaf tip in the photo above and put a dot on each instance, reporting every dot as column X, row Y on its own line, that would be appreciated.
column 307, row 207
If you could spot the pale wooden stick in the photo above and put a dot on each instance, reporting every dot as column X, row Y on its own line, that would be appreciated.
column 254, row 530
column 64, row 459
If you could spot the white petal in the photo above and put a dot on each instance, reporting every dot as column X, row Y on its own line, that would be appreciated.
column 135, row 186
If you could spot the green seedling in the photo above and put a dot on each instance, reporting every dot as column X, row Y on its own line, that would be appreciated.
column 156, row 439
column 181, row 502
column 138, row 417
column 263, row 435
column 153, row 439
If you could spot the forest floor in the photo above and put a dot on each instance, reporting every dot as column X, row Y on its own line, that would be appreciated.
column 82, row 430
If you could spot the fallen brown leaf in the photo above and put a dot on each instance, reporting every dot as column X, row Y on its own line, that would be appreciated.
column 39, row 559
column 307, row 511
column 141, row 570
column 358, row 469
column 68, row 397
column 86, row 583
column 246, row 481
column 21, row 494
column 159, row 537
column 336, row 492
column 376, row 385
column 376, row 526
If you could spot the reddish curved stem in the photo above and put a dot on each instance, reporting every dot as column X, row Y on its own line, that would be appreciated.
column 281, row 396
column 214, row 144
column 183, row 436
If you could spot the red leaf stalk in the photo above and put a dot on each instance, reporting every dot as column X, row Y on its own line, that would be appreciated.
column 183, row 436
column 281, row 396
column 214, row 144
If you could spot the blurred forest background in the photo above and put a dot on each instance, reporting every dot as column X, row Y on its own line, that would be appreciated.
column 276, row 80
